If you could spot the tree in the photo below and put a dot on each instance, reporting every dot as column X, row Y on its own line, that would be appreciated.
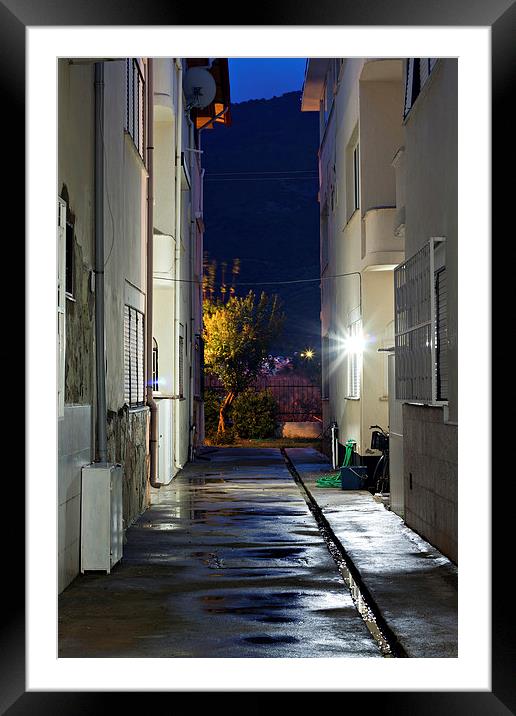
column 237, row 337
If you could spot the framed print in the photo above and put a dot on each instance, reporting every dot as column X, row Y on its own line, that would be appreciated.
column 153, row 26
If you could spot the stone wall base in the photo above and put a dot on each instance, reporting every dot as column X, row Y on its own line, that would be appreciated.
column 128, row 438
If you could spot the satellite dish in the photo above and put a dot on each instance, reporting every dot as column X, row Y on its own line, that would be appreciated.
column 199, row 88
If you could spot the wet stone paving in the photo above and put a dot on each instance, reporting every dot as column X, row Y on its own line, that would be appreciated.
column 230, row 563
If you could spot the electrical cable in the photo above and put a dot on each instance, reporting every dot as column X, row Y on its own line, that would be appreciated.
column 265, row 171
column 268, row 283
column 212, row 181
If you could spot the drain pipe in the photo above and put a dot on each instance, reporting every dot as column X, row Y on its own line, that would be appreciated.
column 100, row 343
column 153, row 436
column 334, row 444
column 177, row 257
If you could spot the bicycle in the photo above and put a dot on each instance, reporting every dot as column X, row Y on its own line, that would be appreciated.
column 380, row 441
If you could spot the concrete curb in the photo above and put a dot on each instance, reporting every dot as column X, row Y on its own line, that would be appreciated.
column 412, row 583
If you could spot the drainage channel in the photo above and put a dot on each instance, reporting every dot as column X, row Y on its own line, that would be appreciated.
column 362, row 599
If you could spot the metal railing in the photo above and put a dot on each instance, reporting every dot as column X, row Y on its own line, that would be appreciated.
column 298, row 401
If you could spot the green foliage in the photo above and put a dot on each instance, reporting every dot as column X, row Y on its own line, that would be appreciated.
column 254, row 414
column 227, row 437
column 237, row 337
column 212, row 403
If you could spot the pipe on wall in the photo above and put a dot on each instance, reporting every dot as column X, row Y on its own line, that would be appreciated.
column 153, row 427
column 177, row 257
column 100, row 342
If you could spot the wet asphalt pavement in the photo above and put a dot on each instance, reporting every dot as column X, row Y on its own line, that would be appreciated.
column 230, row 563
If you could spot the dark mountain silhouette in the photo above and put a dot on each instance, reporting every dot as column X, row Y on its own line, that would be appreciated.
column 260, row 205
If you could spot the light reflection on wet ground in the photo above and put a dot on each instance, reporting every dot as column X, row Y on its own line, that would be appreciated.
column 229, row 564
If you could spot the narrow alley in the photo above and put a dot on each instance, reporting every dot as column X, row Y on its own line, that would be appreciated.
column 230, row 563
column 257, row 300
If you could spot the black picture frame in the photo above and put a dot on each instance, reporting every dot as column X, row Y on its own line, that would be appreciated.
column 500, row 16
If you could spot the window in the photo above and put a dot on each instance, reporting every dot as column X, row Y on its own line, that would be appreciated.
column 353, row 174
column 421, row 326
column 356, row 178
column 155, row 367
column 69, row 281
column 418, row 70
column 135, row 104
column 134, row 367
column 354, row 359
column 61, row 301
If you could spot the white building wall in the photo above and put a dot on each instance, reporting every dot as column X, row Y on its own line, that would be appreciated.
column 430, row 466
column 173, row 270
column 124, row 261
column 75, row 427
column 367, row 110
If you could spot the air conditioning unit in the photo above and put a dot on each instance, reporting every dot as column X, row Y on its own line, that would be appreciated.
column 101, row 517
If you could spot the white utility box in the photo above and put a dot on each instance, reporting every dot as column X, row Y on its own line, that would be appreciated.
column 101, row 517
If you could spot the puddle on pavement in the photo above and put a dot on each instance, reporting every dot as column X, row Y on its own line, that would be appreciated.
column 271, row 639
column 276, row 620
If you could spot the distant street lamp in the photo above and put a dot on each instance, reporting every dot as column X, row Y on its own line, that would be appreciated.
column 309, row 353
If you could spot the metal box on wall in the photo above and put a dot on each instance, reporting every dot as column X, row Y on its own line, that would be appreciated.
column 101, row 517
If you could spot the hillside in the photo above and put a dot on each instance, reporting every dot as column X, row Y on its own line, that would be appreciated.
column 268, row 218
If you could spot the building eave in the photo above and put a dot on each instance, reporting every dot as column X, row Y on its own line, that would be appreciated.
column 313, row 86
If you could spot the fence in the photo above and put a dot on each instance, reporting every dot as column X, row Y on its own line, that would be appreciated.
column 298, row 399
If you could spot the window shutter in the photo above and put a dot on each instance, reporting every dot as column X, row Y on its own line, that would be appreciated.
column 135, row 104
column 140, row 358
column 134, row 357
column 61, row 304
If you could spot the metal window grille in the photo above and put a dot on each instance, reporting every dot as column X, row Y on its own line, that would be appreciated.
column 134, row 366
column 441, row 333
column 418, row 360
column 354, row 361
column 135, row 105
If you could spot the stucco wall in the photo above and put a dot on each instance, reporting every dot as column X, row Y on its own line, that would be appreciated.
column 430, row 476
column 76, row 186
column 125, row 245
column 380, row 138
column 370, row 112
column 75, row 167
column 431, row 187
column 430, row 443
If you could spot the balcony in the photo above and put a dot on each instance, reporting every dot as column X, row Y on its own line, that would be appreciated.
column 381, row 248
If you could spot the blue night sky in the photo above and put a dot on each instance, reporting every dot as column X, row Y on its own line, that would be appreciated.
column 264, row 77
